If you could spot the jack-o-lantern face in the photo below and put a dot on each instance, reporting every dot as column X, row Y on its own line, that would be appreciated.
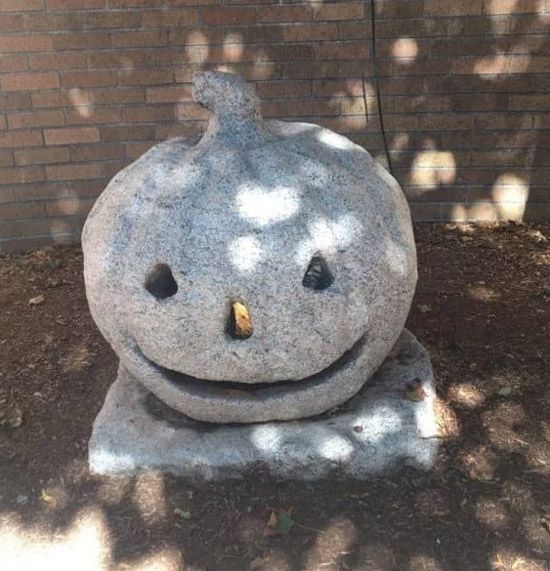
column 264, row 273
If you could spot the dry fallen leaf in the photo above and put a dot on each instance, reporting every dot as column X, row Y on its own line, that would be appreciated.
column 415, row 392
column 37, row 300
column 279, row 522
column 15, row 418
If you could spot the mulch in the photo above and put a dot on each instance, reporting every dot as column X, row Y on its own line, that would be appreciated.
column 482, row 310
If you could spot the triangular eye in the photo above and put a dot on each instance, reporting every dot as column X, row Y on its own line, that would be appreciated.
column 318, row 275
column 160, row 282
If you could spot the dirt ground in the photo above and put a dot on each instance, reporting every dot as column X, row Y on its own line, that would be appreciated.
column 482, row 309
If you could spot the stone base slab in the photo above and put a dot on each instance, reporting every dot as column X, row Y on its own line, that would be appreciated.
column 380, row 428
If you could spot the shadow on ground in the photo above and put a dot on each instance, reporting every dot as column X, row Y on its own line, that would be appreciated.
column 481, row 309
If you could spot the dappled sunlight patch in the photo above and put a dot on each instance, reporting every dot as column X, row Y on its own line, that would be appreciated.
column 502, row 426
column 266, row 437
column 266, row 207
column 466, row 395
column 335, row 141
column 112, row 491
column 164, row 560
column 511, row 193
column 82, row 101
column 448, row 425
column 233, row 47
column 432, row 168
column 424, row 563
column 505, row 559
column 325, row 235
column 77, row 359
column 536, row 533
column 333, row 544
column 336, row 448
column 493, row 67
column 84, row 546
column 492, row 513
column 149, row 497
column 483, row 293
column 404, row 50
column 245, row 253
column 538, row 456
column 478, row 463
column 399, row 142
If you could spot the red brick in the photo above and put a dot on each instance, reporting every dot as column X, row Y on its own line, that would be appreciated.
column 191, row 111
column 88, row 78
column 228, row 15
column 83, row 115
column 340, row 11
column 337, row 51
column 22, row 230
column 19, row 139
column 50, row 99
column 42, row 155
column 75, row 171
column 21, row 210
column 110, row 19
column 139, row 38
column 3, row 123
column 21, row 5
column 297, row 108
column 81, row 41
column 537, row 102
column 15, row 101
column 518, row 7
column 65, row 189
column 170, row 18
column 310, row 32
column 191, row 130
column 6, row 194
column 12, row 23
column 69, row 207
column 71, row 135
column 149, row 114
column 291, row 14
column 97, row 152
column 127, row 133
column 186, row 37
column 54, row 22
column 128, row 3
column 29, row 81
column 75, row 4
column 353, row 30
column 146, row 76
column 118, row 95
column 13, row 62
column 135, row 150
column 25, row 43
column 283, row 89
column 30, row 119
column 57, row 61
column 170, row 94
column 21, row 175
column 6, row 158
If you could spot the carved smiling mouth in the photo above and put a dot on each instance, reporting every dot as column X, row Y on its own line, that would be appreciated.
column 188, row 382
column 229, row 401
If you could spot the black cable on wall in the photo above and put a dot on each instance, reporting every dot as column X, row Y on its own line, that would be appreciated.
column 376, row 83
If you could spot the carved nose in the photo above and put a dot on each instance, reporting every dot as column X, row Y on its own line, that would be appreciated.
column 240, row 321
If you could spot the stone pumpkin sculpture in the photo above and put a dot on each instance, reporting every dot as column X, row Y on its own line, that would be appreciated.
column 261, row 274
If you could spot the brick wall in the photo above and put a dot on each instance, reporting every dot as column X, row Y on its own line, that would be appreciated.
column 89, row 85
